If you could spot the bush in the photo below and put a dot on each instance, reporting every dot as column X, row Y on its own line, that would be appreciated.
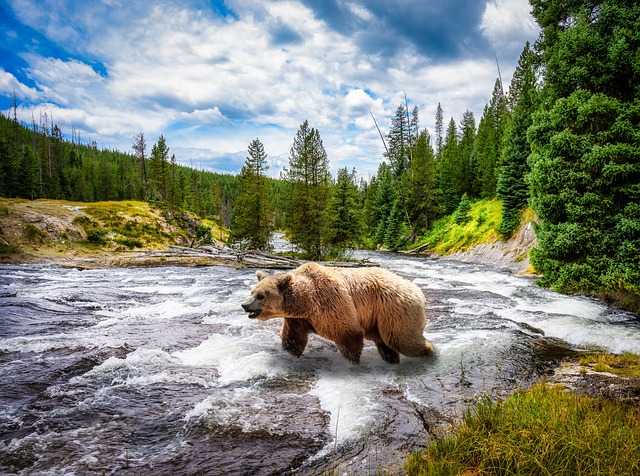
column 97, row 236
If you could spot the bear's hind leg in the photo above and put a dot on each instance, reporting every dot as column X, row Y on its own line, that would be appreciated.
column 387, row 353
column 295, row 335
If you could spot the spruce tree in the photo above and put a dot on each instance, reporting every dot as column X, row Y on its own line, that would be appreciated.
column 466, row 149
column 439, row 131
column 309, row 187
column 512, row 187
column 384, row 202
column 159, row 167
column 398, row 140
column 424, row 201
column 461, row 215
column 490, row 142
column 451, row 170
column 585, row 139
column 251, row 224
column 344, row 214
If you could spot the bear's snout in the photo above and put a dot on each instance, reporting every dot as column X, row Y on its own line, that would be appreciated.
column 251, row 308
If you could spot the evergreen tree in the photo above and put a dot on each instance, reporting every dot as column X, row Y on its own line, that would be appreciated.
column 490, row 142
column 28, row 175
column 451, row 170
column 140, row 149
column 398, row 140
column 384, row 202
column 251, row 224
column 309, row 181
column 461, row 215
column 369, row 191
column 394, row 229
column 344, row 212
column 512, row 187
column 439, row 131
column 159, row 165
column 519, row 80
column 585, row 142
column 424, row 201
column 466, row 149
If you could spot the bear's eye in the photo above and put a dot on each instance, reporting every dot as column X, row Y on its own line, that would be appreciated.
column 260, row 296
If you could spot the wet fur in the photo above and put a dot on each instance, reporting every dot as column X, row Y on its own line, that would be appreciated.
column 345, row 305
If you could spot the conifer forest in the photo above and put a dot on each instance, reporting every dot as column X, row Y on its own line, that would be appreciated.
column 563, row 139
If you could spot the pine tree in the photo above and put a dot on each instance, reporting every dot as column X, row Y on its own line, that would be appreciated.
column 424, row 201
column 512, row 187
column 159, row 165
column 251, row 223
column 344, row 214
column 140, row 150
column 451, row 173
column 398, row 140
column 309, row 181
column 519, row 80
column 490, row 142
column 461, row 215
column 384, row 202
column 439, row 131
column 466, row 149
column 585, row 141
column 394, row 229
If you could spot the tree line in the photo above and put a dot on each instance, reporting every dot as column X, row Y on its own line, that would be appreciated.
column 564, row 139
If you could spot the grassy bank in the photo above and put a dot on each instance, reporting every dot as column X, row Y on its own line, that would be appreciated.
column 544, row 430
column 446, row 236
column 42, row 229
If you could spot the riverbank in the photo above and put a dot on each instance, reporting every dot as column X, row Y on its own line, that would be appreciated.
column 478, row 241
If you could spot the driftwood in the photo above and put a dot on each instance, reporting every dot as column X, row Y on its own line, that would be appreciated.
column 223, row 255
column 417, row 249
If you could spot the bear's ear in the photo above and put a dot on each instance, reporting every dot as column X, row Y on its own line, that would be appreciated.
column 284, row 282
column 261, row 275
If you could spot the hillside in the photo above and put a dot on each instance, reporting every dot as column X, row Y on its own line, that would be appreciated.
column 478, row 241
column 92, row 234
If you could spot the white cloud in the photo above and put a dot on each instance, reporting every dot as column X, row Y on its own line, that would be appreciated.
column 10, row 84
column 213, row 84
column 506, row 22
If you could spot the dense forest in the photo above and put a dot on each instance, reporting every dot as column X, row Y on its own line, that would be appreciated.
column 564, row 140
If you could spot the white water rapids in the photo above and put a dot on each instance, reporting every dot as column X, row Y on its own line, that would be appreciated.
column 160, row 371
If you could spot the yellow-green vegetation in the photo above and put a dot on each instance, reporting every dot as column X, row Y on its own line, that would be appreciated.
column 50, row 228
column 544, row 430
column 627, row 365
column 446, row 236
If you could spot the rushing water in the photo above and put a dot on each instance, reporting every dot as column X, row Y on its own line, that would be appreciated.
column 158, row 371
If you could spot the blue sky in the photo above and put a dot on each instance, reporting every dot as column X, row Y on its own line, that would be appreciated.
column 214, row 75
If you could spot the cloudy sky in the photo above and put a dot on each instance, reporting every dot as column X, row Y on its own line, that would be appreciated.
column 214, row 75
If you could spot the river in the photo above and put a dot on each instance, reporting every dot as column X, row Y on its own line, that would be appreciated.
column 158, row 370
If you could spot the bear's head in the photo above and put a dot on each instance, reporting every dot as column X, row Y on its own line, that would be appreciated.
column 269, row 296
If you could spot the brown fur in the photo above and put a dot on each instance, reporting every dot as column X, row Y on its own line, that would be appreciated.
column 345, row 305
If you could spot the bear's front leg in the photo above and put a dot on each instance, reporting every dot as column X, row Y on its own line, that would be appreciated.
column 350, row 345
column 295, row 334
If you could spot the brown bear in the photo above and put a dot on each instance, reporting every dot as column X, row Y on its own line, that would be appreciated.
column 345, row 305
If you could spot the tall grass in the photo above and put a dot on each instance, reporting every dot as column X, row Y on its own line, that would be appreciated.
column 542, row 431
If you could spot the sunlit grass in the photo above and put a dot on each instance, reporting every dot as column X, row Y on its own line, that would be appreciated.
column 627, row 364
column 446, row 236
column 544, row 430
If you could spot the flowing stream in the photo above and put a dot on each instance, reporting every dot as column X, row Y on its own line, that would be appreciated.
column 158, row 371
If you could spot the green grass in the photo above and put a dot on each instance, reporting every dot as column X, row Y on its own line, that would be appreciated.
column 627, row 365
column 543, row 431
column 446, row 236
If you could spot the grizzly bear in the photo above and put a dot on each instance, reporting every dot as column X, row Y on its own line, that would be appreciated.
column 345, row 305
